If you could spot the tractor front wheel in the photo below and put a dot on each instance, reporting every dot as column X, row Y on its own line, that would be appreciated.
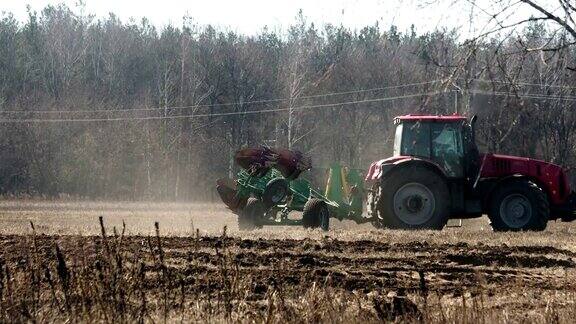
column 412, row 198
column 249, row 218
column 519, row 206
column 316, row 214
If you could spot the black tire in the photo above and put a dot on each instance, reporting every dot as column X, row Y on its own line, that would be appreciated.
column 275, row 192
column 316, row 214
column 411, row 197
column 250, row 216
column 519, row 206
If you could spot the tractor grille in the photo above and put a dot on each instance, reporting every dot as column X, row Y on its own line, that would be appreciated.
column 501, row 166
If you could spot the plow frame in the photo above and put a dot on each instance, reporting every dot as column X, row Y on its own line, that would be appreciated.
column 344, row 195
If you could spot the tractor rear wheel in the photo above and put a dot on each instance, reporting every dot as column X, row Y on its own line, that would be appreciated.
column 519, row 206
column 316, row 214
column 250, row 216
column 412, row 198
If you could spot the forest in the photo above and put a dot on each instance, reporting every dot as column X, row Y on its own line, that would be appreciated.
column 100, row 108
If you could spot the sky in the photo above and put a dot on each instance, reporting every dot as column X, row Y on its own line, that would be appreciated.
column 250, row 16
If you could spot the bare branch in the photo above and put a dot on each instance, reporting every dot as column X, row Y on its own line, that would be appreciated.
column 551, row 16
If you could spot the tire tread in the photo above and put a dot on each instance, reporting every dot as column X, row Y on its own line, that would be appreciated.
column 247, row 216
column 382, row 207
column 311, row 213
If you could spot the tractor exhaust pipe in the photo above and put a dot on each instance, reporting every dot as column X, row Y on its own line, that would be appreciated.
column 473, row 126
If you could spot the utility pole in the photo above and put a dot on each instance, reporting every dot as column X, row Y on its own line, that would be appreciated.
column 458, row 89
column 290, row 114
column 456, row 102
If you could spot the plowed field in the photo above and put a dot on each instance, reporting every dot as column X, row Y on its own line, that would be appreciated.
column 351, row 273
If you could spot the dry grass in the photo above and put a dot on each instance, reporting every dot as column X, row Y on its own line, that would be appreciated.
column 197, row 267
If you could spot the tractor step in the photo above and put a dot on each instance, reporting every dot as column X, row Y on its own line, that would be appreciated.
column 454, row 223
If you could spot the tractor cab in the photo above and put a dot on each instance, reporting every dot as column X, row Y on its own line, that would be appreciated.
column 443, row 140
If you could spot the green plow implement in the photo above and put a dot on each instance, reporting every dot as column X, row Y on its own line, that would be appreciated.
column 269, row 188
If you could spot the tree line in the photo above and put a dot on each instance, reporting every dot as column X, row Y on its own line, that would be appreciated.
column 106, row 109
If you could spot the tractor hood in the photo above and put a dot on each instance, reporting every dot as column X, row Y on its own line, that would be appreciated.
column 497, row 165
column 545, row 174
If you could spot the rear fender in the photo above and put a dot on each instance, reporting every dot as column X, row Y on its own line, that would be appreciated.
column 381, row 169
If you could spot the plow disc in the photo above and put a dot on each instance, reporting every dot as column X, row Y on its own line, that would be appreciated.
column 228, row 191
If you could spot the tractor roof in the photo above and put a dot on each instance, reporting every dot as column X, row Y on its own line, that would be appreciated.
column 432, row 118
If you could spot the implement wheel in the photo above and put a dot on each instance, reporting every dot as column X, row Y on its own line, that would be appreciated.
column 275, row 192
column 412, row 198
column 316, row 214
column 519, row 206
column 249, row 218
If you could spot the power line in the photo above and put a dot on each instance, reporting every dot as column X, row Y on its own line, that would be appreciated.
column 216, row 105
column 525, row 95
column 252, row 112
column 248, row 112
column 206, row 124
column 527, row 84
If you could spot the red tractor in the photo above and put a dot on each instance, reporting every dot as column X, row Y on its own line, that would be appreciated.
column 437, row 173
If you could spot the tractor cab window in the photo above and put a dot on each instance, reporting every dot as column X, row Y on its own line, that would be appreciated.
column 439, row 142
column 447, row 148
column 413, row 139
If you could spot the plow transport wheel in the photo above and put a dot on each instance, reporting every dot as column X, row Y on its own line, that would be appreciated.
column 316, row 214
column 275, row 192
column 250, row 216
column 413, row 198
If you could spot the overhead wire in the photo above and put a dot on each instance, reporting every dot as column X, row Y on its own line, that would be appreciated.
column 545, row 85
column 525, row 95
column 331, row 94
column 264, row 111
column 247, row 112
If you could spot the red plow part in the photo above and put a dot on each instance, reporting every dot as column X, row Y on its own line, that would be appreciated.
column 258, row 161
column 228, row 191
